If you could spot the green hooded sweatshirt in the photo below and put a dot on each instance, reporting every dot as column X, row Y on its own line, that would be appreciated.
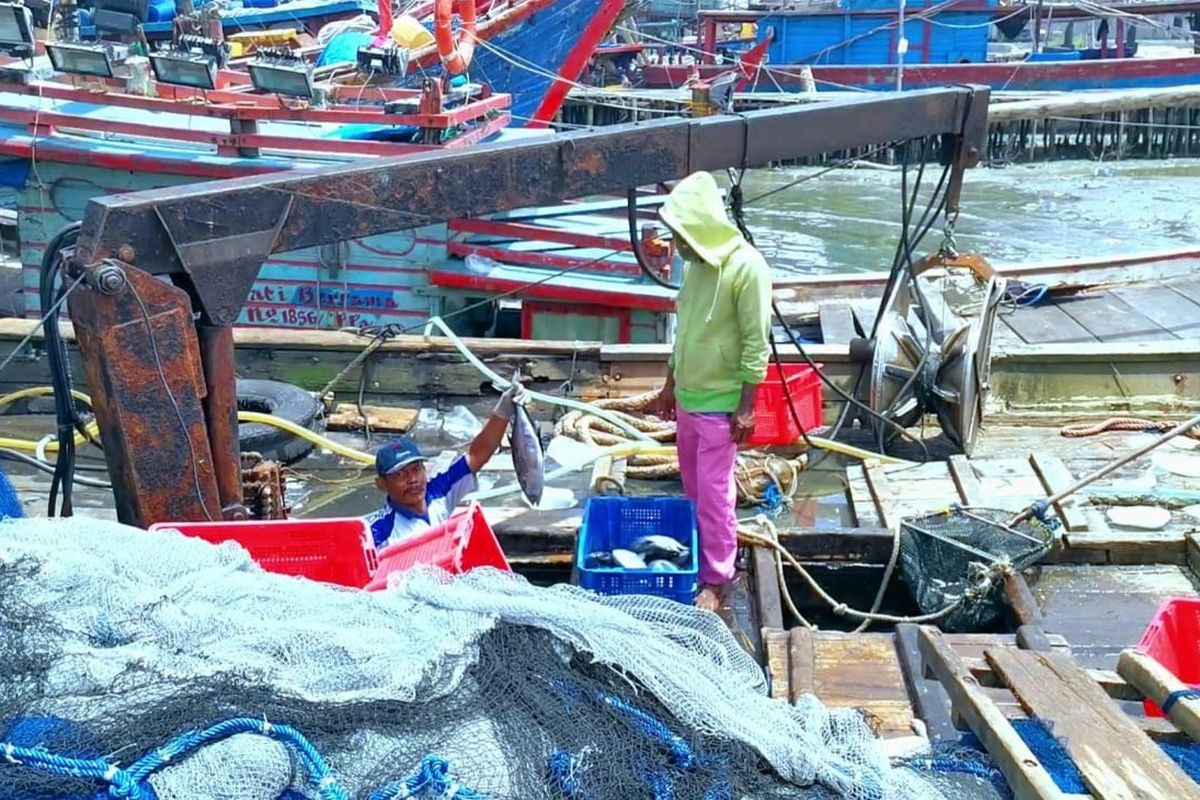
column 724, row 304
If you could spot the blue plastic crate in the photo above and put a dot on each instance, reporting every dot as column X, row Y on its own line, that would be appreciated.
column 611, row 522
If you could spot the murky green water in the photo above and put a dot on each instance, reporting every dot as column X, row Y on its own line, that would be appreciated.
column 849, row 220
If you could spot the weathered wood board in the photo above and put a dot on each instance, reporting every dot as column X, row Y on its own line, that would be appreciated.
column 1115, row 758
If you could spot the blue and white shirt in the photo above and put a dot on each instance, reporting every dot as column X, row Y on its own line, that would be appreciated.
column 444, row 491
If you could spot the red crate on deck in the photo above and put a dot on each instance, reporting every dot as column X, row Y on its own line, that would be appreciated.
column 461, row 543
column 773, row 421
column 1173, row 640
column 339, row 550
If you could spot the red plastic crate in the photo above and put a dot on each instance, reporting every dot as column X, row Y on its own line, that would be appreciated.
column 773, row 422
column 461, row 543
column 1173, row 640
column 339, row 550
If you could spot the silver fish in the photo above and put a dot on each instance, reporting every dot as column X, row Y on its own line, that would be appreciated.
column 627, row 559
column 527, row 456
column 598, row 559
column 661, row 565
column 659, row 547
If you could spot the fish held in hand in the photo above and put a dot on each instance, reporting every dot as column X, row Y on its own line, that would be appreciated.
column 528, row 458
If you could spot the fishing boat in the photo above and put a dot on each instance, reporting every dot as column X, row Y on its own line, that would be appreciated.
column 89, row 124
column 857, row 45
column 1036, row 677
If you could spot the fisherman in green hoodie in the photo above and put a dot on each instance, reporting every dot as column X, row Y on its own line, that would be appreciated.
column 719, row 359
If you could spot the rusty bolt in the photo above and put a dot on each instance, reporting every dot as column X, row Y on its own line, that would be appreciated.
column 1178, row 378
column 109, row 278
column 126, row 254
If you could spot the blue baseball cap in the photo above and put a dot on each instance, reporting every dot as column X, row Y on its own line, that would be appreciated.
column 395, row 456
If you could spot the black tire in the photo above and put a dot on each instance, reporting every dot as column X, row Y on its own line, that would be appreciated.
column 282, row 400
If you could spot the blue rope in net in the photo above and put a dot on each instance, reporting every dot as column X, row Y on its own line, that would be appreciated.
column 10, row 503
column 431, row 780
column 130, row 782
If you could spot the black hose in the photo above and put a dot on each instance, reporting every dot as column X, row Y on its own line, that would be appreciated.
column 635, row 242
column 66, row 413
column 23, row 458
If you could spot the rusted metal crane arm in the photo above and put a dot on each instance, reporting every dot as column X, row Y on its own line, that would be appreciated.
column 219, row 233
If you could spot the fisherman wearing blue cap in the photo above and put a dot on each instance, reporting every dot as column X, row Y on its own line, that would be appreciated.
column 417, row 502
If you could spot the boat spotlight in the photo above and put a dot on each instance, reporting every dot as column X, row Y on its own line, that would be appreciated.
column 197, row 70
column 279, row 72
column 16, row 30
column 194, row 63
column 83, row 59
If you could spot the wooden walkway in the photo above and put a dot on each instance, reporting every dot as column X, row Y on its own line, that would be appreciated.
column 918, row 681
column 1153, row 311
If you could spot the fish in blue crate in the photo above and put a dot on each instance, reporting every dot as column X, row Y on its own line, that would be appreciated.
column 655, row 552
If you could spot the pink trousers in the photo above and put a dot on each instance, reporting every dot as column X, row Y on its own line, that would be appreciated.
column 706, row 461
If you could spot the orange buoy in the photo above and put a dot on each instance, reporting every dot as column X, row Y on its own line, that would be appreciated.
column 454, row 49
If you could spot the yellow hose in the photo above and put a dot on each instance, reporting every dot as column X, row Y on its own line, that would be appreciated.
column 856, row 452
column 30, row 446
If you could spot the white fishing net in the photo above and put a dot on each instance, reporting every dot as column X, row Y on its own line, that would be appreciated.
column 118, row 641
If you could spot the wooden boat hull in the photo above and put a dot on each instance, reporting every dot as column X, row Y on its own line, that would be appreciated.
column 1113, row 73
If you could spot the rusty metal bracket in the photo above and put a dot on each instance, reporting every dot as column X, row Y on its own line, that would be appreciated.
column 222, row 252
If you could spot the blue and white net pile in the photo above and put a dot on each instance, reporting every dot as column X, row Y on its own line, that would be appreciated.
column 151, row 665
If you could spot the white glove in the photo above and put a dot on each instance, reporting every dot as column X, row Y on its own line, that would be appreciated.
column 513, row 396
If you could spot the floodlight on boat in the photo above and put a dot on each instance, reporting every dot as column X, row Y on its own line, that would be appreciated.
column 16, row 30
column 386, row 60
column 120, row 16
column 197, row 70
column 281, row 73
column 82, row 59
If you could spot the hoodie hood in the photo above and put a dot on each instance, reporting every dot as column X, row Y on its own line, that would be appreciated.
column 695, row 211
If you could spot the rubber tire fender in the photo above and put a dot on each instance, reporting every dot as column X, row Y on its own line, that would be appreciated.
column 283, row 400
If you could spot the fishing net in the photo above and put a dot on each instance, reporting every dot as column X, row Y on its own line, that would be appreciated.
column 957, row 557
column 156, row 666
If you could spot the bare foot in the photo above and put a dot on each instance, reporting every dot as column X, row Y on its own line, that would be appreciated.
column 708, row 598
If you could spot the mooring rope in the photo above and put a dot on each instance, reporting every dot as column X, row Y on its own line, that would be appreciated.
column 1123, row 424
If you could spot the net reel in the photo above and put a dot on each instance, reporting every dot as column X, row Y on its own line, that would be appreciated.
column 931, row 353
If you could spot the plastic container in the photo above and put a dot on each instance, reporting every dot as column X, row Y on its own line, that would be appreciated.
column 338, row 550
column 461, row 543
column 611, row 522
column 773, row 422
column 1173, row 640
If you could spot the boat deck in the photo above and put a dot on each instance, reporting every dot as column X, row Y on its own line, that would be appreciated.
column 1149, row 311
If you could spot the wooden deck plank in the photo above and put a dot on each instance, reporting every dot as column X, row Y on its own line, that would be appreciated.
column 1116, row 760
column 767, row 596
column 969, row 488
column 1110, row 319
column 1056, row 477
column 865, row 312
column 1045, row 324
column 930, row 703
column 1170, row 309
column 1024, row 773
column 800, row 656
column 776, row 644
column 863, row 671
column 1188, row 287
column 837, row 323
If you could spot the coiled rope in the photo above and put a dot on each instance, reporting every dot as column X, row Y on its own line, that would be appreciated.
column 762, row 479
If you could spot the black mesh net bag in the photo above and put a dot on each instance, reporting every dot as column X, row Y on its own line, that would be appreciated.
column 955, row 559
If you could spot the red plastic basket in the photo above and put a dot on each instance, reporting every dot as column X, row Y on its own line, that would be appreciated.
column 1173, row 640
column 339, row 550
column 773, row 422
column 461, row 543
